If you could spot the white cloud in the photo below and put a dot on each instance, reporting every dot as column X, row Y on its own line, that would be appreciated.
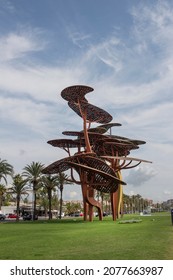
column 167, row 192
column 140, row 175
column 16, row 45
column 41, row 83
column 155, row 17
column 107, row 52
column 20, row 152
column 7, row 6
column 77, row 37
column 73, row 195
column 33, row 116
column 72, row 192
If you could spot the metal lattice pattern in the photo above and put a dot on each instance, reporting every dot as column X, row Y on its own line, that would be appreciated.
column 99, row 175
column 65, row 143
column 75, row 93
column 93, row 113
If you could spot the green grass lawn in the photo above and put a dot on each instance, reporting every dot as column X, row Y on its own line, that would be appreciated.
column 72, row 239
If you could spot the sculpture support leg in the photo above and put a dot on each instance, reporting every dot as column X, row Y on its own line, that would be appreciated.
column 90, row 202
column 90, row 195
column 85, row 204
column 120, row 197
column 114, row 202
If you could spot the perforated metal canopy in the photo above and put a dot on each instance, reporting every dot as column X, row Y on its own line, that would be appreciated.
column 92, row 113
column 76, row 93
column 97, row 173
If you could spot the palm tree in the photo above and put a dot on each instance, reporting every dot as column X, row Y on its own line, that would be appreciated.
column 42, row 200
column 5, row 170
column 126, row 203
column 138, row 198
column 18, row 188
column 63, row 179
column 50, row 183
column 2, row 192
column 107, row 202
column 55, row 200
column 33, row 173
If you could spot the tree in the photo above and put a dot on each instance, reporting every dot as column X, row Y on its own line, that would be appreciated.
column 18, row 188
column 63, row 179
column 42, row 200
column 50, row 183
column 107, row 202
column 72, row 207
column 2, row 192
column 138, row 199
column 5, row 170
column 33, row 173
column 126, row 203
column 55, row 200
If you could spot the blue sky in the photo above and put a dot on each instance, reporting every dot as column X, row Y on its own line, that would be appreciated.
column 123, row 49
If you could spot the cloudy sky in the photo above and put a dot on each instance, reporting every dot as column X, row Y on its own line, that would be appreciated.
column 123, row 49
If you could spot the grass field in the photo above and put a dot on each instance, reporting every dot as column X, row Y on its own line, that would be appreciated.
column 72, row 239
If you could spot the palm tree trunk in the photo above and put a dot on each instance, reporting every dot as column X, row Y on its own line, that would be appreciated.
column 50, row 203
column 35, row 201
column 18, row 205
column 60, row 210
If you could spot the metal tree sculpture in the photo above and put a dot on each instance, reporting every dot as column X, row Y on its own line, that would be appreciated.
column 99, row 158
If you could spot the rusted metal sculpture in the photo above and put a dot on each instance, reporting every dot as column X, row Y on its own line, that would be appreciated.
column 100, row 157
